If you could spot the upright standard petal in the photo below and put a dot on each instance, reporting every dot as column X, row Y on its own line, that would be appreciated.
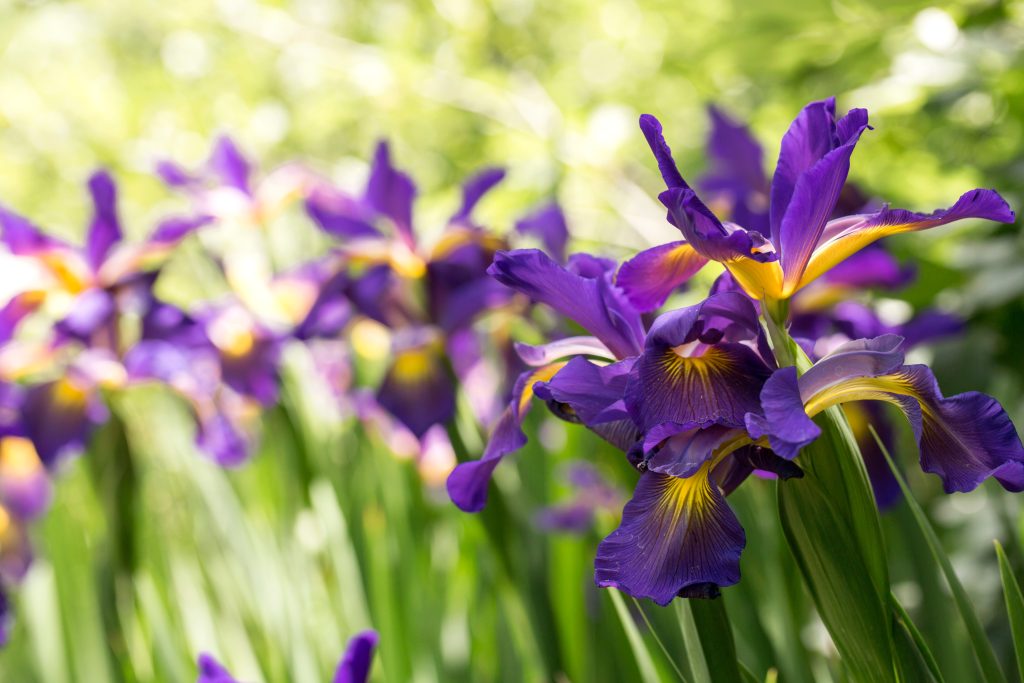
column 391, row 193
column 809, row 138
column 354, row 666
column 548, row 225
column 678, row 537
column 474, row 189
column 736, row 173
column 467, row 484
column 230, row 165
column 591, row 300
column 650, row 277
column 813, row 200
column 105, row 228
column 846, row 236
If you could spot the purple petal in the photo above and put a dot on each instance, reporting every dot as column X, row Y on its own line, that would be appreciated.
column 170, row 231
column 25, row 488
column 735, row 155
column 651, row 129
column 677, row 537
column 22, row 238
column 255, row 373
column 783, row 422
column 846, row 236
column 592, row 302
column 59, row 417
column 330, row 312
column 681, row 450
column 468, row 482
column 174, row 175
column 858, row 358
column 222, row 439
column 354, row 666
column 230, row 165
column 929, row 325
column 417, row 388
column 473, row 191
column 92, row 311
column 105, row 228
column 872, row 267
column 548, row 225
column 391, row 192
column 211, row 671
column 545, row 354
column 339, row 214
column 810, row 137
column 812, row 202
column 15, row 310
column 650, row 277
column 693, row 370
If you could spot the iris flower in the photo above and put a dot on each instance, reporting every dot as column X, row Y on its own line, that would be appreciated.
column 354, row 666
column 802, row 243
column 428, row 296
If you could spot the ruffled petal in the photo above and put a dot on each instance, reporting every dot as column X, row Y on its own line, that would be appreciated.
column 846, row 236
column 678, row 537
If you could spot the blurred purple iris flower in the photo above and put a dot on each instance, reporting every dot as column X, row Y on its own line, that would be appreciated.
column 427, row 296
column 354, row 666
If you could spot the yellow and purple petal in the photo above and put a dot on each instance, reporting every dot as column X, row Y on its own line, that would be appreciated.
column 678, row 537
column 650, row 277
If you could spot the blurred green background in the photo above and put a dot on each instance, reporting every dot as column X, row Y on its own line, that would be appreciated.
column 273, row 579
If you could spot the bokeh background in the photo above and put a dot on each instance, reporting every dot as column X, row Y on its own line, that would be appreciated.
column 274, row 579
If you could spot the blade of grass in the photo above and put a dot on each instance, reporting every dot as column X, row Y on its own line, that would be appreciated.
column 657, row 639
column 1014, row 606
column 644, row 661
column 691, row 640
column 988, row 665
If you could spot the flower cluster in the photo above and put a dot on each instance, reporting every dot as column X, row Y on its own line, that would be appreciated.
column 708, row 394
column 94, row 320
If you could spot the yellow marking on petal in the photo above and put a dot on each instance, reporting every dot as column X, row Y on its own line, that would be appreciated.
column 5, row 528
column 863, row 389
column 759, row 280
column 692, row 494
column 233, row 333
column 415, row 365
column 830, row 254
column 370, row 339
column 293, row 298
column 67, row 268
column 454, row 238
column 66, row 392
column 18, row 458
column 542, row 374
column 406, row 262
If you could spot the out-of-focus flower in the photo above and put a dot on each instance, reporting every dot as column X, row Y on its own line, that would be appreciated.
column 428, row 296
column 592, row 494
column 86, row 280
column 354, row 666
column 802, row 243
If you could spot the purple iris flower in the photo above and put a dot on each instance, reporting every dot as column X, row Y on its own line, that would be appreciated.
column 227, row 187
column 592, row 494
column 802, row 241
column 428, row 296
column 354, row 666
column 96, row 272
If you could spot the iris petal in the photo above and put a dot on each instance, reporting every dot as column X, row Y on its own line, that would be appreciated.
column 651, row 276
column 354, row 666
column 467, row 484
column 844, row 237
column 677, row 537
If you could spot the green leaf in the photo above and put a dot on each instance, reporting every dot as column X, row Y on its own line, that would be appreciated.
column 1014, row 605
column 716, row 640
column 644, row 661
column 908, row 630
column 988, row 665
column 831, row 523
column 691, row 640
